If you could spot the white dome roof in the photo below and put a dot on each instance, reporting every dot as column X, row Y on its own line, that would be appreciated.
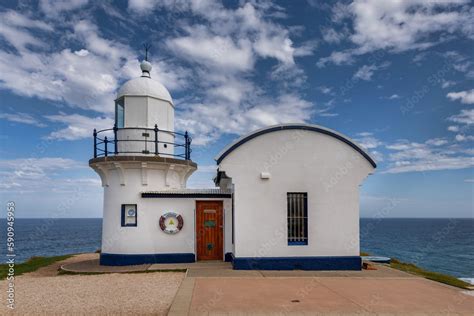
column 144, row 86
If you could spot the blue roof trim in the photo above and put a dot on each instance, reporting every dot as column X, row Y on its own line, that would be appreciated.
column 298, row 127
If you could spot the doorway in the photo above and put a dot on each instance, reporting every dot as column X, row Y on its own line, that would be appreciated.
column 209, row 230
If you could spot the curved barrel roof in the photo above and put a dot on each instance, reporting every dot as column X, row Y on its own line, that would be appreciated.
column 308, row 127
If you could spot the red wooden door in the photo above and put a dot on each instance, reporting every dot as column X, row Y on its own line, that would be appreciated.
column 209, row 231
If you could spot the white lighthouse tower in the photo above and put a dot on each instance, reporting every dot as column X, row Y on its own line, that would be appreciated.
column 142, row 152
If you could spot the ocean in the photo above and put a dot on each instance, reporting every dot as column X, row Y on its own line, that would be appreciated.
column 441, row 245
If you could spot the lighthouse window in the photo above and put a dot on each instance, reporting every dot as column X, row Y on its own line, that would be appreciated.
column 129, row 215
column 119, row 113
column 297, row 218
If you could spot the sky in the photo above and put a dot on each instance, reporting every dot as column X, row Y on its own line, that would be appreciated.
column 396, row 76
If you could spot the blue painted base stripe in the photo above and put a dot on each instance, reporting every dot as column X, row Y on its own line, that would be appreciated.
column 109, row 259
column 298, row 263
column 229, row 256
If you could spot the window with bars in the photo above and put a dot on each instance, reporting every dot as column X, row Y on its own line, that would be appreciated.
column 297, row 218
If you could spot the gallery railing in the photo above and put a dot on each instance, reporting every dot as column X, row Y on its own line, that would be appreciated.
column 105, row 146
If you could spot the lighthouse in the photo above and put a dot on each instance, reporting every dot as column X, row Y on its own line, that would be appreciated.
column 141, row 152
column 279, row 191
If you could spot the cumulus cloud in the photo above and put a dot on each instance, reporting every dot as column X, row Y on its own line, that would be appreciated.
column 224, row 47
column 325, row 90
column 371, row 143
column 337, row 58
column 42, row 174
column 463, row 138
column 77, row 126
column 55, row 7
column 222, row 43
column 16, row 28
column 466, row 97
column 23, row 118
column 330, row 35
column 453, row 128
column 214, row 51
column 464, row 117
column 262, row 111
column 86, row 78
column 367, row 71
column 447, row 83
column 433, row 154
column 399, row 26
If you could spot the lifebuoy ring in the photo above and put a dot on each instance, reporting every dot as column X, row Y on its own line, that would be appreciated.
column 171, row 223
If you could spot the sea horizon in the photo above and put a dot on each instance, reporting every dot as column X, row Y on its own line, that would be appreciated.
column 441, row 245
column 374, row 218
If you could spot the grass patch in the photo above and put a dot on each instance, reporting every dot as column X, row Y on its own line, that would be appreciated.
column 32, row 264
column 364, row 254
column 435, row 276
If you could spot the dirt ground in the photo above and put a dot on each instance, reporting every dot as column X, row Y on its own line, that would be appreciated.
column 45, row 293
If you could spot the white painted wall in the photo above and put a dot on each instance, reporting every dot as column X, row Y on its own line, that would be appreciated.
column 147, row 237
column 329, row 170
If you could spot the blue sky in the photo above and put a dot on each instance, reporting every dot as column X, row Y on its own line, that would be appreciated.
column 397, row 76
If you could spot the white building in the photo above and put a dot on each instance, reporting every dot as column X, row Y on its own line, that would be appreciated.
column 287, row 196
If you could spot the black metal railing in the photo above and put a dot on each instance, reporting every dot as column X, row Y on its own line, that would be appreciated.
column 102, row 143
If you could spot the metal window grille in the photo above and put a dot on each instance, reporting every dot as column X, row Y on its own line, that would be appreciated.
column 297, row 218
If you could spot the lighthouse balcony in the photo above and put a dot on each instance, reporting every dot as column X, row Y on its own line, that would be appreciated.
column 142, row 141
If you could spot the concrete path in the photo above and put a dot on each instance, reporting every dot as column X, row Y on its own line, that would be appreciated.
column 325, row 295
column 213, row 287
column 208, row 291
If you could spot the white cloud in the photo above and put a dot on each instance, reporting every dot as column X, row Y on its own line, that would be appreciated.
column 463, row 138
column 464, row 117
column 453, row 128
column 214, row 51
column 434, row 154
column 220, row 118
column 86, row 78
column 305, row 49
column 78, row 126
column 15, row 29
column 15, row 173
column 55, row 7
column 23, row 118
column 232, row 34
column 337, row 58
column 330, row 35
column 367, row 71
column 447, row 83
column 325, row 90
column 368, row 140
column 47, row 174
column 223, row 45
column 370, row 143
column 466, row 97
column 436, row 141
column 399, row 26
column 403, row 25
column 394, row 97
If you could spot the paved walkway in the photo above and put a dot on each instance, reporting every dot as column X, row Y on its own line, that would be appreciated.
column 213, row 287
